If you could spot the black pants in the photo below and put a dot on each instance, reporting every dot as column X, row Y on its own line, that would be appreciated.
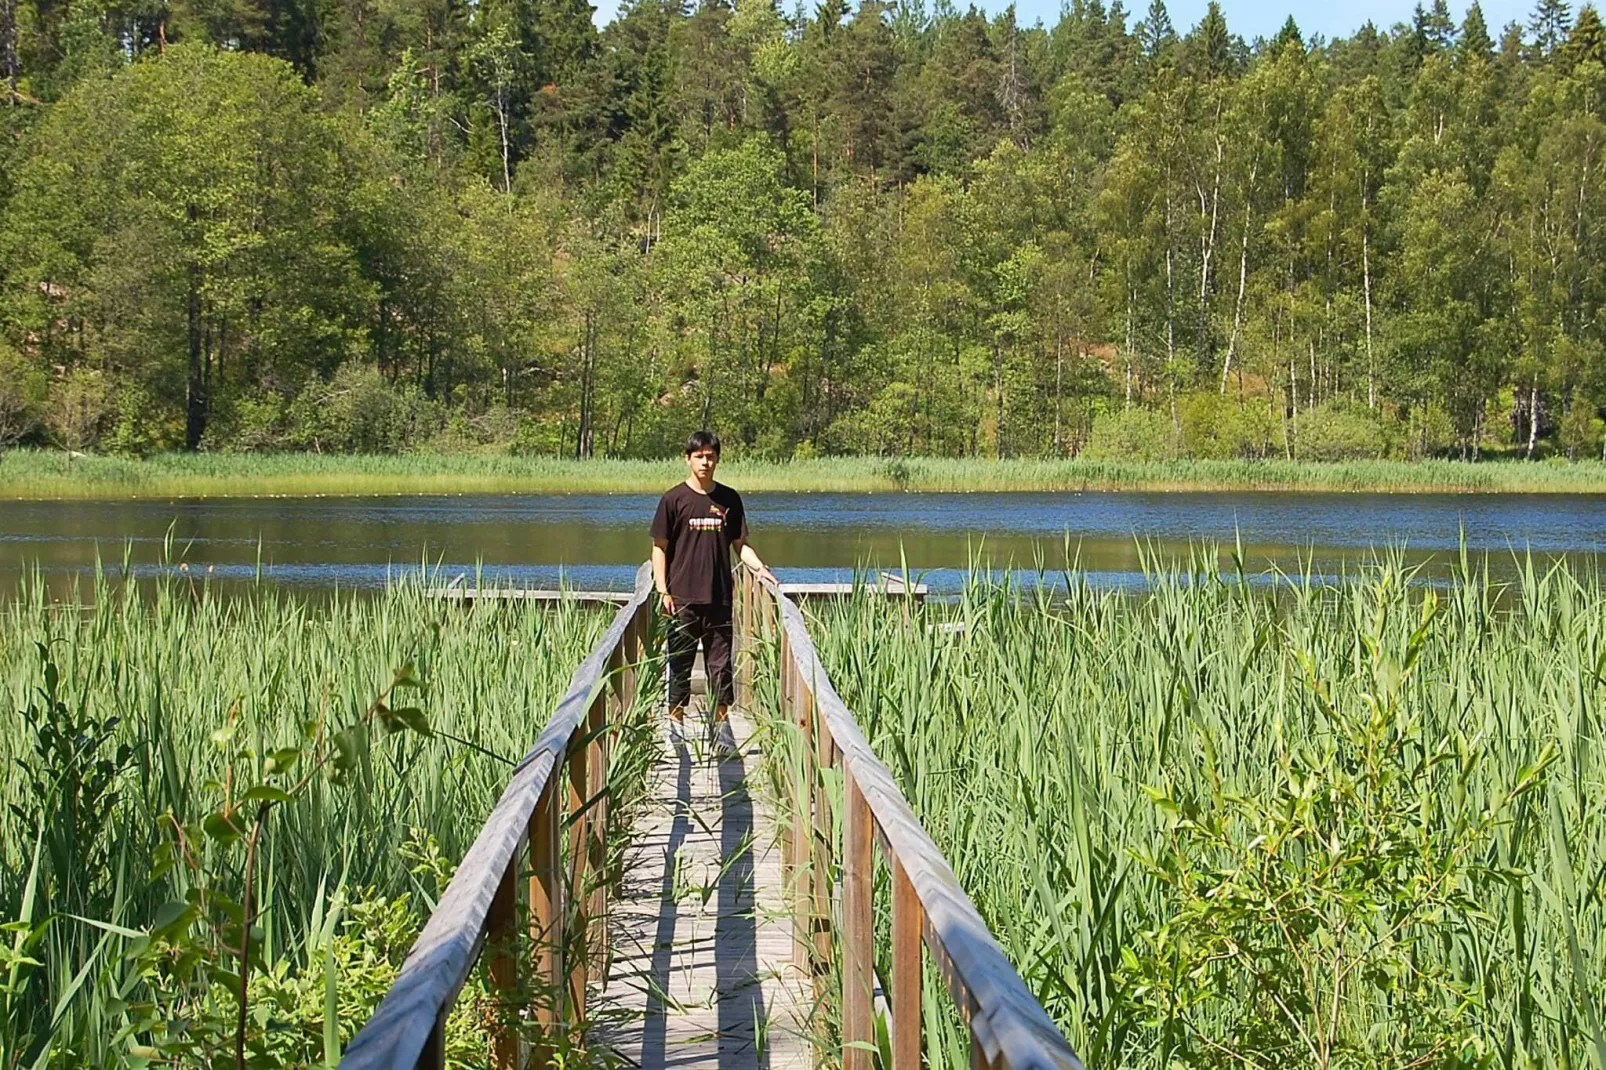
column 712, row 626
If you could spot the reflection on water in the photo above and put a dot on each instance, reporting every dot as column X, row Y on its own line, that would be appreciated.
column 595, row 541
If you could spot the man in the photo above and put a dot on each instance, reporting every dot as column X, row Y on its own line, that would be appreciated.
column 698, row 524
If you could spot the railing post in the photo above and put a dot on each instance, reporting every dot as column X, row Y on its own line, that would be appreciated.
column 433, row 1057
column 790, row 830
column 546, row 919
column 600, row 746
column 908, row 919
column 746, row 644
column 978, row 1058
column 803, row 888
column 858, row 930
column 575, row 951
column 824, row 843
column 501, row 941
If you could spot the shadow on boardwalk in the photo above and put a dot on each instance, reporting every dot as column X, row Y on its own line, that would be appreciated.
column 701, row 972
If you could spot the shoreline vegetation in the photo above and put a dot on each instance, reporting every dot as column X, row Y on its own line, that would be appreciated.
column 38, row 475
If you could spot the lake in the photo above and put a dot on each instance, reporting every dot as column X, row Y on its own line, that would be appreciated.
column 594, row 541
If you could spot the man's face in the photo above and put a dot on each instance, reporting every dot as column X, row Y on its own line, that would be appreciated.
column 702, row 464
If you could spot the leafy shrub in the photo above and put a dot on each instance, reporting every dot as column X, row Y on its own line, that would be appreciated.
column 247, row 423
column 493, row 430
column 1429, row 430
column 80, row 408
column 537, row 437
column 1131, row 434
column 140, row 423
column 1338, row 431
column 359, row 411
column 1582, row 430
column 1221, row 428
column 1331, row 888
column 22, row 396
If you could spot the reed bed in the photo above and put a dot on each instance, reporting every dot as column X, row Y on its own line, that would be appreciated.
column 170, row 664
column 1355, row 824
column 38, row 474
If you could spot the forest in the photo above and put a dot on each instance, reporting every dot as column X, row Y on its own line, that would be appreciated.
column 364, row 226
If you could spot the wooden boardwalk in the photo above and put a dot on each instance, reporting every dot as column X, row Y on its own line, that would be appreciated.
column 702, row 972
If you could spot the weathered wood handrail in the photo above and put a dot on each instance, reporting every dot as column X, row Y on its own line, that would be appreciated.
column 480, row 905
column 479, row 909
column 1009, row 1028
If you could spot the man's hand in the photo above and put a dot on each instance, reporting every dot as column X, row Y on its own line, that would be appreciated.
column 668, row 602
column 763, row 573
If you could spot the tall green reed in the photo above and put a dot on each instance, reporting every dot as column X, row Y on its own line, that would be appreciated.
column 1040, row 732
column 168, row 664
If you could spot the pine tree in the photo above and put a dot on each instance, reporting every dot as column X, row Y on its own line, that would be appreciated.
column 828, row 15
column 1548, row 25
column 1431, row 31
column 1155, row 33
column 1475, row 39
column 1587, row 41
column 1442, row 25
column 1210, row 45
column 1288, row 35
column 1511, row 46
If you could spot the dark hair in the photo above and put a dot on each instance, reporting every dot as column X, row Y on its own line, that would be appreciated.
column 702, row 440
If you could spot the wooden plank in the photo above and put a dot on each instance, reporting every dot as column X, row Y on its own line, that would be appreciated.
column 885, row 583
column 440, row 960
column 702, row 978
column 906, row 932
column 532, row 594
column 1005, row 1018
column 858, row 931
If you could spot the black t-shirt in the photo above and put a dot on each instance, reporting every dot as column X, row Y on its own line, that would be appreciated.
column 700, row 529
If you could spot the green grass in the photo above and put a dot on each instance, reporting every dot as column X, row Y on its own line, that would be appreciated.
column 32, row 474
column 170, row 662
column 1032, row 736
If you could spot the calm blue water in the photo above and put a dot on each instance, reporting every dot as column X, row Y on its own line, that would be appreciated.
column 595, row 541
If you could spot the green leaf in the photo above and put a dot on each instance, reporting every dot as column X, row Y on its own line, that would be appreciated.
column 281, row 760
column 220, row 826
column 411, row 718
column 346, row 743
column 170, row 917
column 269, row 794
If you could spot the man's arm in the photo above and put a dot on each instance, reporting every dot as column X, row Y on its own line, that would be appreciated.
column 750, row 558
column 660, row 573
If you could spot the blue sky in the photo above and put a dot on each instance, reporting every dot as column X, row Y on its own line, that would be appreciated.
column 1250, row 17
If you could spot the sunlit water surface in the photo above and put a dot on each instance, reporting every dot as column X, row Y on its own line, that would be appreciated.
column 592, row 541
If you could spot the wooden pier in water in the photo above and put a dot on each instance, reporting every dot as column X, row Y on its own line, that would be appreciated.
column 735, row 929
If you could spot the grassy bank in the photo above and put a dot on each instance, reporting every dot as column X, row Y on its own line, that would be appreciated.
column 26, row 474
column 171, row 699
column 1344, row 826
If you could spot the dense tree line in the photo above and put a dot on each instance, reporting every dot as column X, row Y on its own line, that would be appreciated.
column 248, row 224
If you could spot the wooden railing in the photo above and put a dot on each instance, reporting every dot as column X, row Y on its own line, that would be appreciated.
column 566, row 905
column 566, row 899
column 1008, row 1028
